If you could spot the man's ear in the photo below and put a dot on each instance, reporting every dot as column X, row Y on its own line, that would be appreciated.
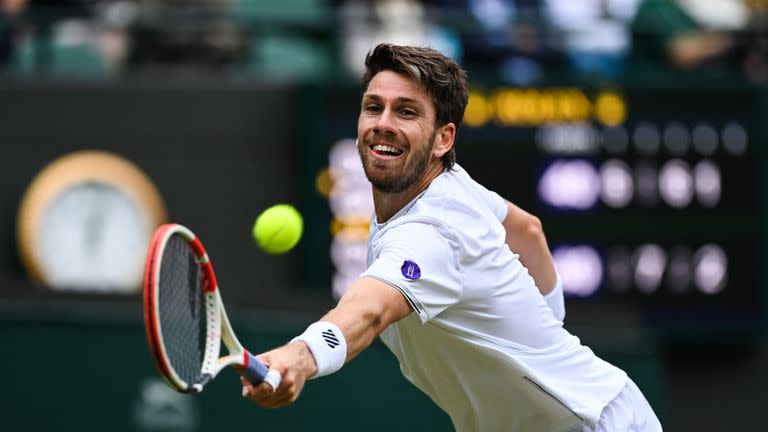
column 444, row 140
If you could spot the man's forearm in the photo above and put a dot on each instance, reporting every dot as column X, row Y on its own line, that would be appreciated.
column 365, row 310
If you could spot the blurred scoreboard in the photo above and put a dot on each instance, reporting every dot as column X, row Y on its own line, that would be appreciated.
column 650, row 197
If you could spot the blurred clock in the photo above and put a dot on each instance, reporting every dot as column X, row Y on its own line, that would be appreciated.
column 85, row 222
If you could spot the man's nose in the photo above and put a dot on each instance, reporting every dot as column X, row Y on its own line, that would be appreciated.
column 385, row 123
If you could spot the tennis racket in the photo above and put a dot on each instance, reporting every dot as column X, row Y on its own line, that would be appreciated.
column 185, row 318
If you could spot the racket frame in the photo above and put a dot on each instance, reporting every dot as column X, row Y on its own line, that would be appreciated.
column 218, row 327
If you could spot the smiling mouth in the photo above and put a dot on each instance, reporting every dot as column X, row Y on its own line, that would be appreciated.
column 385, row 150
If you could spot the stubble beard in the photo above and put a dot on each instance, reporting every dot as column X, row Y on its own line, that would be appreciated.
column 395, row 182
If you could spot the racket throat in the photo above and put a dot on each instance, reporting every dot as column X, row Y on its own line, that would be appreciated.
column 198, row 386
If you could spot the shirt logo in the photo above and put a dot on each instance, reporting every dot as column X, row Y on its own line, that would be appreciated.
column 410, row 270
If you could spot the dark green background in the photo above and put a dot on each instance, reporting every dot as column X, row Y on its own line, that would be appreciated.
column 91, row 373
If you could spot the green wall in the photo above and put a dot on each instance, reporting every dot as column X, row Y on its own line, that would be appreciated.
column 97, row 373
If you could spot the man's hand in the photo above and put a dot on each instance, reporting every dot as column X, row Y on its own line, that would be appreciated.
column 295, row 363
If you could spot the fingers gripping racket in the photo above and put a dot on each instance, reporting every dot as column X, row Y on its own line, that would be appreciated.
column 185, row 318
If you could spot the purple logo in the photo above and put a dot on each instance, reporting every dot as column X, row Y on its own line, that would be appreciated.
column 410, row 270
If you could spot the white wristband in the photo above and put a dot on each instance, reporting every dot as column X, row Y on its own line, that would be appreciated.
column 327, row 344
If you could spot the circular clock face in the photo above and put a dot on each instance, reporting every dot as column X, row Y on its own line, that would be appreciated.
column 93, row 237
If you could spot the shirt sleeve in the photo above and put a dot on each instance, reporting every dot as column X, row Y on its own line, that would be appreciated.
column 556, row 301
column 497, row 204
column 423, row 264
column 494, row 201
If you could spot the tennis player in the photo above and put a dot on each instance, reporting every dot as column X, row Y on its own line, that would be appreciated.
column 460, row 283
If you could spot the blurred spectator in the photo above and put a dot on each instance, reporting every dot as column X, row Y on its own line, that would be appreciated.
column 290, row 40
column 756, row 58
column 364, row 24
column 46, row 13
column 189, row 35
column 593, row 34
column 115, row 20
column 508, row 38
column 36, row 51
column 11, row 25
column 689, row 35
column 501, row 39
column 72, row 37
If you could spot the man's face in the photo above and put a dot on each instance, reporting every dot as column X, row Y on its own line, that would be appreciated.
column 395, row 132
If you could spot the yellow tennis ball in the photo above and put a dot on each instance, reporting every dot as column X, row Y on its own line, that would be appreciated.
column 278, row 228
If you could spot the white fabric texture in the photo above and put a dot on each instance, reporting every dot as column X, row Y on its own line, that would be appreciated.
column 483, row 342
column 615, row 416
column 556, row 300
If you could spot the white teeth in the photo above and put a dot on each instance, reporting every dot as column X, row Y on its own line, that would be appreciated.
column 386, row 148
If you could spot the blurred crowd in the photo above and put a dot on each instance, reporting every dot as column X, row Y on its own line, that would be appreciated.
column 518, row 42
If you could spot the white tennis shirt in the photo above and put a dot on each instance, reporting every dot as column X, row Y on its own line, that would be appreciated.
column 482, row 343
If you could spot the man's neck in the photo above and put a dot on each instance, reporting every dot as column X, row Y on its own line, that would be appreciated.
column 387, row 204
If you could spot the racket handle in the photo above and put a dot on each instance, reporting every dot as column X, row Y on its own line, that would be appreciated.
column 253, row 370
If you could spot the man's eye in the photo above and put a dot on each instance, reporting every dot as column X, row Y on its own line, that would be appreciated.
column 372, row 108
column 408, row 112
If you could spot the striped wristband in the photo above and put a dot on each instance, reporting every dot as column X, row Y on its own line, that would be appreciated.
column 327, row 344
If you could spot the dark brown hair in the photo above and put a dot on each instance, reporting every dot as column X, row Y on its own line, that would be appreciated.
column 444, row 80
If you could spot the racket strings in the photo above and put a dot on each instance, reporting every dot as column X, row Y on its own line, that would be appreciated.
column 182, row 310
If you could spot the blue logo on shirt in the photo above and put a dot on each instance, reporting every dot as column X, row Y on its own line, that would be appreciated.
column 410, row 270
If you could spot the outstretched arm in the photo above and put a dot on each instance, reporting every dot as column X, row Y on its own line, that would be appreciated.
column 365, row 310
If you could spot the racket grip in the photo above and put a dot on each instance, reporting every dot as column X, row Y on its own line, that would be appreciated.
column 253, row 370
